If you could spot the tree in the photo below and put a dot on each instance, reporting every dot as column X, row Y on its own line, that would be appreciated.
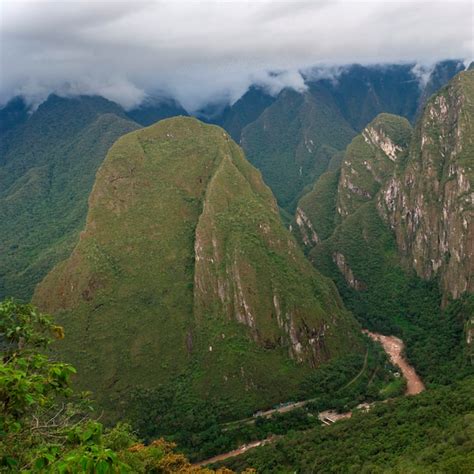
column 44, row 426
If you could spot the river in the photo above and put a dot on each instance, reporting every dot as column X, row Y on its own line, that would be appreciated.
column 394, row 346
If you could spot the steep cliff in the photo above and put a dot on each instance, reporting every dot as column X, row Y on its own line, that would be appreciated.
column 369, row 161
column 400, row 242
column 421, row 183
column 185, row 269
column 429, row 204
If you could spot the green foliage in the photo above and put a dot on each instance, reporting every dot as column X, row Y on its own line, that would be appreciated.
column 47, row 169
column 30, row 385
column 432, row 432
column 44, row 427
column 21, row 326
column 27, row 378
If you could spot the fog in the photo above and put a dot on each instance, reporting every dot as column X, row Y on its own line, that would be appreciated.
column 205, row 52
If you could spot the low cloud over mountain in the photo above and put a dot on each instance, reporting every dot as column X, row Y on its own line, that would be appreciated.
column 206, row 52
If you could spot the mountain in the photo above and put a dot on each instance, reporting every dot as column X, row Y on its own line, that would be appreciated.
column 185, row 278
column 47, row 168
column 393, row 228
column 440, row 75
column 244, row 111
column 363, row 92
column 155, row 109
column 368, row 162
column 429, row 204
column 234, row 117
column 294, row 139
column 14, row 113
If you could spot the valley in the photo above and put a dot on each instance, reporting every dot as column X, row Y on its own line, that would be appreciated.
column 282, row 283
column 392, row 346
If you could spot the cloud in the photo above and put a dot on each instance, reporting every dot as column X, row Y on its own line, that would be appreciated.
column 422, row 72
column 204, row 52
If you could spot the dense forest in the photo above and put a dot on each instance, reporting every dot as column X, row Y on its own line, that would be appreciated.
column 432, row 432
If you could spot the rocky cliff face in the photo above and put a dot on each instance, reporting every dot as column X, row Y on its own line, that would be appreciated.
column 370, row 159
column 185, row 269
column 429, row 203
column 421, row 183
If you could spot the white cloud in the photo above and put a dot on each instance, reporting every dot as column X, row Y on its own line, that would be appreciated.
column 422, row 72
column 203, row 52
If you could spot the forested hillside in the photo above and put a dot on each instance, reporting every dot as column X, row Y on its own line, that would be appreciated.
column 432, row 432
column 47, row 167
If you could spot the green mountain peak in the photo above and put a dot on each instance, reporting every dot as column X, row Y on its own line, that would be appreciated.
column 185, row 269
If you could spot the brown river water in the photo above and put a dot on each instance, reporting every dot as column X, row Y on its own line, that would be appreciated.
column 394, row 346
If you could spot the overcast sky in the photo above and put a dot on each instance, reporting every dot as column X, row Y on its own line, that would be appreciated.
column 201, row 52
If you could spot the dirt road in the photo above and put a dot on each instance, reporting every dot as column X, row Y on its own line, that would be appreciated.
column 235, row 452
column 394, row 348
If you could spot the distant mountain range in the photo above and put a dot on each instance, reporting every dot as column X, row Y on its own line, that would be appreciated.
column 291, row 138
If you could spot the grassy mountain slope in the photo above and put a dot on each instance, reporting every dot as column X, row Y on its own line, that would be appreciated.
column 46, row 172
column 316, row 214
column 161, row 290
